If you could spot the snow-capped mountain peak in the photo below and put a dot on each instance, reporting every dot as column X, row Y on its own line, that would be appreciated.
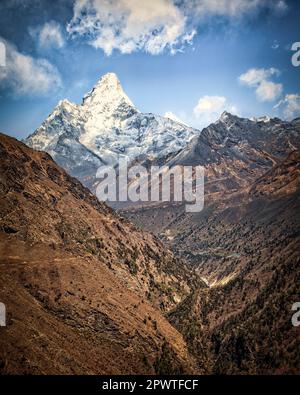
column 225, row 115
column 107, row 94
column 104, row 127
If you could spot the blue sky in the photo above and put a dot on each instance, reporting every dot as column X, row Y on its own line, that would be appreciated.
column 190, row 59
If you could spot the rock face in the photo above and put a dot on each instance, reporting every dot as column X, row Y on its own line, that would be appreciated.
column 238, row 137
column 103, row 128
column 282, row 179
column 234, row 151
column 85, row 290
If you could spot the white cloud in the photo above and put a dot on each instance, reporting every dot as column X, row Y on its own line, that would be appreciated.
column 275, row 44
column 50, row 34
column 209, row 104
column 259, row 79
column 2, row 54
column 153, row 26
column 173, row 117
column 281, row 7
column 222, row 7
column 25, row 75
column 130, row 25
column 209, row 108
column 268, row 91
column 290, row 106
column 255, row 76
column 233, row 8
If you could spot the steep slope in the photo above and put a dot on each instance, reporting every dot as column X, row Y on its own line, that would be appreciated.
column 78, row 281
column 247, row 250
column 234, row 152
column 215, row 237
column 103, row 128
column 282, row 179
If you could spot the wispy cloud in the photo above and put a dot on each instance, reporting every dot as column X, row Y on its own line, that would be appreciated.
column 275, row 45
column 27, row 76
column 48, row 35
column 290, row 106
column 265, row 89
column 209, row 109
column 233, row 8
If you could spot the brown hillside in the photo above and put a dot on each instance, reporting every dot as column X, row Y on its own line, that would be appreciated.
column 78, row 281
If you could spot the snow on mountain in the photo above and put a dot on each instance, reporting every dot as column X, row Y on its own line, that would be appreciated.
column 263, row 140
column 105, row 126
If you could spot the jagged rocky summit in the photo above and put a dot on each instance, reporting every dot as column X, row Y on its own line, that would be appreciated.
column 104, row 127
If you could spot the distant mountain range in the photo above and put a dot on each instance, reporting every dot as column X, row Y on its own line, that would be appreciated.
column 234, row 152
column 107, row 126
